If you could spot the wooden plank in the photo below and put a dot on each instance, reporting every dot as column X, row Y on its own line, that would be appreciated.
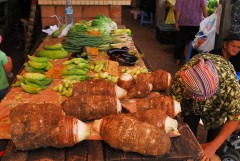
column 112, row 154
column 11, row 154
column 77, row 152
column 186, row 146
column 95, row 151
column 53, row 154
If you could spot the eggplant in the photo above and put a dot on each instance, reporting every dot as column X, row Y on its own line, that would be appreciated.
column 78, row 55
column 116, row 51
column 129, row 57
column 124, row 62
column 113, row 57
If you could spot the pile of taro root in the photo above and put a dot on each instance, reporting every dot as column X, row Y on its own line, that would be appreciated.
column 146, row 128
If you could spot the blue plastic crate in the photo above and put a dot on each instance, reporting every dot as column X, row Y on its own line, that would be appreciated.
column 238, row 75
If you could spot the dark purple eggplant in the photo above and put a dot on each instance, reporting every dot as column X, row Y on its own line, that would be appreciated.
column 125, row 48
column 124, row 62
column 81, row 54
column 78, row 55
column 113, row 57
column 116, row 51
column 129, row 57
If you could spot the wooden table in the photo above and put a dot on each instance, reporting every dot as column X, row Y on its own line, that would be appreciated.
column 184, row 147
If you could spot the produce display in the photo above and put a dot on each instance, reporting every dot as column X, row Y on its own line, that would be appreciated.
column 129, row 134
column 42, row 125
column 90, row 75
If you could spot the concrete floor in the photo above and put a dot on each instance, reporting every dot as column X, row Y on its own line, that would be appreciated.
column 158, row 55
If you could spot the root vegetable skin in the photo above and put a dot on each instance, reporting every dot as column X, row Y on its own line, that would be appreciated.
column 162, row 102
column 43, row 125
column 160, row 79
column 128, row 134
column 98, row 87
column 90, row 107
column 126, row 81
column 156, row 117
column 140, row 90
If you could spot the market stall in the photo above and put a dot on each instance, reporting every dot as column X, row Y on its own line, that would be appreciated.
column 55, row 93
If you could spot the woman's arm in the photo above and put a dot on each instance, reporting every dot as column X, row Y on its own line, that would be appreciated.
column 210, row 148
column 204, row 10
column 177, row 16
column 8, row 65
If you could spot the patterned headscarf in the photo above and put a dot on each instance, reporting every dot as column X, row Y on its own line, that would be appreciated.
column 201, row 80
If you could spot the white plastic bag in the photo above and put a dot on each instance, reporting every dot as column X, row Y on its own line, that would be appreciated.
column 205, row 39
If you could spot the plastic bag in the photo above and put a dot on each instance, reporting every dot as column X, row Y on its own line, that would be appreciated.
column 205, row 39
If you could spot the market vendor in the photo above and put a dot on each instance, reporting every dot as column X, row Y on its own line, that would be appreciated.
column 208, row 89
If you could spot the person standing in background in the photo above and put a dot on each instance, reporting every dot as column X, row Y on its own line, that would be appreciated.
column 230, row 50
column 188, row 15
column 5, row 67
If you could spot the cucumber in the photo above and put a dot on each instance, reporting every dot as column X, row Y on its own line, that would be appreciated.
column 52, row 54
column 57, row 46
column 59, row 31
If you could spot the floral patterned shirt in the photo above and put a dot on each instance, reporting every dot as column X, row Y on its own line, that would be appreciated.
column 223, row 105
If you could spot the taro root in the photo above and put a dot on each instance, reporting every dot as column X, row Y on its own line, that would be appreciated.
column 128, row 134
column 99, row 87
column 165, row 103
column 140, row 90
column 158, row 118
column 160, row 79
column 88, row 107
column 44, row 125
column 126, row 81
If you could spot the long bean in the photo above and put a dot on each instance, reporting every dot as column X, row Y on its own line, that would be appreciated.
column 74, row 41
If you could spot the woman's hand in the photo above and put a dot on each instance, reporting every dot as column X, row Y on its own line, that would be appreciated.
column 208, row 151
column 177, row 26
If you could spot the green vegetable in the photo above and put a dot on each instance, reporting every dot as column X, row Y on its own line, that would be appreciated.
column 34, row 70
column 57, row 46
column 75, row 72
column 52, row 54
column 119, row 31
column 34, row 85
column 43, row 82
column 37, row 65
column 38, row 59
column 37, row 76
column 59, row 31
column 30, row 89
column 76, row 77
